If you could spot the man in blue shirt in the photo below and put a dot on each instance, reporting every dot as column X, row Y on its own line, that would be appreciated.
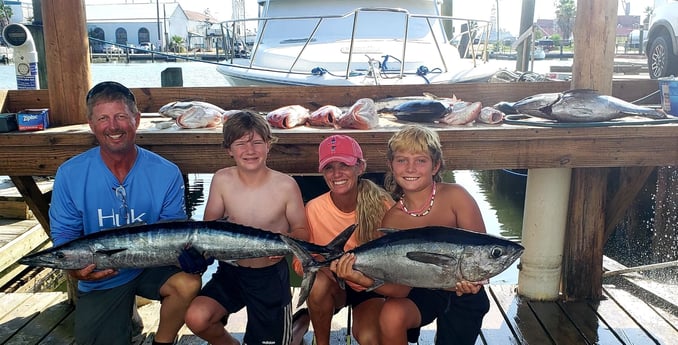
column 114, row 184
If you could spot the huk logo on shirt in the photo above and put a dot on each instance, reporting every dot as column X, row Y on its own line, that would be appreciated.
column 115, row 219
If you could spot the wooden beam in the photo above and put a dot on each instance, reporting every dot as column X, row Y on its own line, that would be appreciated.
column 594, row 42
column 34, row 198
column 631, row 182
column 68, row 73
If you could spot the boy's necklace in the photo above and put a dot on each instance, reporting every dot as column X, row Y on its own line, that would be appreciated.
column 422, row 212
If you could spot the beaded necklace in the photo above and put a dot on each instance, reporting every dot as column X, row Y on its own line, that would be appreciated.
column 421, row 212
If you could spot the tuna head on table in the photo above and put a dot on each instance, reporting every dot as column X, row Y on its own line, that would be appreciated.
column 582, row 105
column 451, row 112
column 194, row 114
column 433, row 257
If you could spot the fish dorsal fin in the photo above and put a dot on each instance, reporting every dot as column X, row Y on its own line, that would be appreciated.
column 432, row 258
column 336, row 246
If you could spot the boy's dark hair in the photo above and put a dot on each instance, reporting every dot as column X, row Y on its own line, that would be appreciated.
column 246, row 122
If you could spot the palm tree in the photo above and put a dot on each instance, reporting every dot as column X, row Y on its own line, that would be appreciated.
column 176, row 44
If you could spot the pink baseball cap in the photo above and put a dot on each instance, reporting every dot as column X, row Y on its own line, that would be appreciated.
column 339, row 148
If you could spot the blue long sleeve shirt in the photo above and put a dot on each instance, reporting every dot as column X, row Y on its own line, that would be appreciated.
column 88, row 198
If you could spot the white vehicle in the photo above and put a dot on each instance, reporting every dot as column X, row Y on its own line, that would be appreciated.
column 6, row 54
column 112, row 49
column 662, row 40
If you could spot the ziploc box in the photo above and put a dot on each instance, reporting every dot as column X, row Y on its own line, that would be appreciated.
column 32, row 119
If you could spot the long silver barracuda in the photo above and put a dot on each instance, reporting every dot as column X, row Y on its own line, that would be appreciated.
column 159, row 244
column 430, row 257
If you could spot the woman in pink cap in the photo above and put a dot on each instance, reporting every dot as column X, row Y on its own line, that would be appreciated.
column 351, row 200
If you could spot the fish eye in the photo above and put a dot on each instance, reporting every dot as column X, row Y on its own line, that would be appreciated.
column 60, row 255
column 496, row 252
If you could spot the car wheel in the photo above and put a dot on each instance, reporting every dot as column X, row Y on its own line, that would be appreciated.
column 661, row 61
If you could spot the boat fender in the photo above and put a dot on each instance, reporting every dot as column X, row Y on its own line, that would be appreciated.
column 318, row 71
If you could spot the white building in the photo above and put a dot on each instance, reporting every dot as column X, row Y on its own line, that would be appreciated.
column 202, row 31
column 136, row 24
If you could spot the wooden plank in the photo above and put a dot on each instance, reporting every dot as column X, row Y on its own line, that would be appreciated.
column 594, row 329
column 9, row 301
column 519, row 316
column 653, row 323
column 22, row 245
column 10, row 229
column 495, row 328
column 44, row 322
column 558, row 326
column 14, row 210
column 619, row 322
column 63, row 333
column 663, row 293
column 24, row 312
column 13, row 270
column 472, row 147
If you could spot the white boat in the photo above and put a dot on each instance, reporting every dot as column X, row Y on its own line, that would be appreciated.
column 341, row 42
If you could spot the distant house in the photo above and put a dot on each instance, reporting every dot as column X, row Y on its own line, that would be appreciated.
column 202, row 33
column 137, row 24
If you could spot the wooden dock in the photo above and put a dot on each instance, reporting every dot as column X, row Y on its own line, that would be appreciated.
column 620, row 318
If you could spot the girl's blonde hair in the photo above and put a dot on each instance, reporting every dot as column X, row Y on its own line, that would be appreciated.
column 373, row 202
column 413, row 139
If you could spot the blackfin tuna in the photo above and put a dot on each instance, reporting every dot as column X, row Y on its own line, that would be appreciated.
column 432, row 257
column 582, row 105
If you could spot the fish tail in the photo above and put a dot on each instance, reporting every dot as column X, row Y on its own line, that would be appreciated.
column 309, row 265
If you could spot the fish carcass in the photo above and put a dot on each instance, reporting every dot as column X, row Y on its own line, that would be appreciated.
column 193, row 114
column 582, row 105
column 326, row 116
column 159, row 244
column 430, row 257
column 288, row 116
column 362, row 115
column 462, row 113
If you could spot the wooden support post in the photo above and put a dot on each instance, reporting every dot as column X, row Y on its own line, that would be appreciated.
column 592, row 68
column 68, row 72
column 171, row 76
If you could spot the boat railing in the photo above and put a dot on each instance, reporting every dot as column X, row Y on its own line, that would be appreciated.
column 436, row 24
